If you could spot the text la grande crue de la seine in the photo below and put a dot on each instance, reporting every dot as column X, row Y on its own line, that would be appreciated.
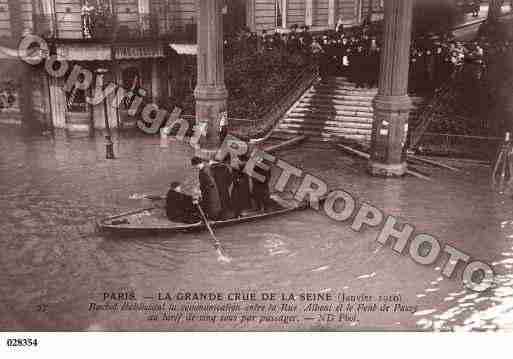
column 244, row 296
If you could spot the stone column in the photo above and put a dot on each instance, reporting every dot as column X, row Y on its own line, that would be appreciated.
column 210, row 93
column 392, row 103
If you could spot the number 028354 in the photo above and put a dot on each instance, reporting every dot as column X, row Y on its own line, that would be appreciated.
column 22, row 342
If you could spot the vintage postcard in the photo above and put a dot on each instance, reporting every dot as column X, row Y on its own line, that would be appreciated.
column 256, row 165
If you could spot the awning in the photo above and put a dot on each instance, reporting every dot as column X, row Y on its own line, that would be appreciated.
column 84, row 52
column 135, row 51
column 185, row 49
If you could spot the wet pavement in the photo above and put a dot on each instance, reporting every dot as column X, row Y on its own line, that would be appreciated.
column 53, row 189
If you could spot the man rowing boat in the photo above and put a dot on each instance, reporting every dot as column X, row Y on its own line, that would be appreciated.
column 180, row 206
column 210, row 197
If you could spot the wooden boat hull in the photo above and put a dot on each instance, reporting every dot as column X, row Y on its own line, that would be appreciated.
column 152, row 221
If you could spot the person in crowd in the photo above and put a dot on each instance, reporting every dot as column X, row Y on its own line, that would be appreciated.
column 180, row 207
column 223, row 179
column 210, row 200
column 223, row 127
column 306, row 38
column 339, row 28
column 241, row 195
column 260, row 192
column 317, row 53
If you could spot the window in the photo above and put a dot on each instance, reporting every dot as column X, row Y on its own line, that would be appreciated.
column 279, row 13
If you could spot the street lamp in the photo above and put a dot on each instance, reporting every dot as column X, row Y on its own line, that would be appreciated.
column 109, row 146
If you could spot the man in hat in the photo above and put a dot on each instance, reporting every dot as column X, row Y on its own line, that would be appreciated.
column 260, row 192
column 210, row 199
column 180, row 206
column 222, row 175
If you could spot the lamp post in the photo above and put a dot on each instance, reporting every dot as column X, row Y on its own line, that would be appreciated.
column 109, row 146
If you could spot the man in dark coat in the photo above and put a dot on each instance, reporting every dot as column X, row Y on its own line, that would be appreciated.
column 223, row 179
column 241, row 196
column 179, row 206
column 210, row 199
column 260, row 192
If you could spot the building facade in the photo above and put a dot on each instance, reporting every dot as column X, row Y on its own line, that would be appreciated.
column 319, row 15
column 132, row 40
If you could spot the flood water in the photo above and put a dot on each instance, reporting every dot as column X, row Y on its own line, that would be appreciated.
column 53, row 189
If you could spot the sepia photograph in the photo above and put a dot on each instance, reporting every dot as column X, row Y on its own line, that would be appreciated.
column 255, row 166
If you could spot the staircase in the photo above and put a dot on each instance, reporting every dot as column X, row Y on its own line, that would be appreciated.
column 330, row 110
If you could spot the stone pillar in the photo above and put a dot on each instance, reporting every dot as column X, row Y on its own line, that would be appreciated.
column 210, row 93
column 392, row 104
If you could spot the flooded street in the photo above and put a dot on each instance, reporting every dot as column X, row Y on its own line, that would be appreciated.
column 53, row 189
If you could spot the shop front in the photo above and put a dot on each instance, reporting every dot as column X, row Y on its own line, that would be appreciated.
column 134, row 71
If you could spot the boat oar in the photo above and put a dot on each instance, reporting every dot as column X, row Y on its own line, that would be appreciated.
column 217, row 245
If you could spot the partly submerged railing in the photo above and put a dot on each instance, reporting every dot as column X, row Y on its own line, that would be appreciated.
column 261, row 127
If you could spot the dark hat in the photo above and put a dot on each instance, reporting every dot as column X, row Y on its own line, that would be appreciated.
column 196, row 161
column 175, row 185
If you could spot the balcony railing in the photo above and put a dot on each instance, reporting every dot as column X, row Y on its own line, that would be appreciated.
column 145, row 27
column 106, row 26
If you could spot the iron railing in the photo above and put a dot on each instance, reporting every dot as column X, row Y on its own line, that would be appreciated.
column 247, row 129
column 461, row 146
column 111, row 27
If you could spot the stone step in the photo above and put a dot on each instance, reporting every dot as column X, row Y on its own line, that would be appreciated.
column 336, row 118
column 328, row 129
column 329, row 110
column 333, row 107
column 323, row 114
column 322, row 124
column 343, row 91
column 345, row 85
column 339, row 80
column 323, row 136
column 339, row 96
column 329, row 100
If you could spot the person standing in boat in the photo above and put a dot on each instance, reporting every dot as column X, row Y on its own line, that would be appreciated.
column 223, row 179
column 260, row 192
column 241, row 195
column 180, row 206
column 210, row 200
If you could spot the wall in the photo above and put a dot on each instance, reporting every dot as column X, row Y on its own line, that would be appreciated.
column 320, row 13
column 68, row 15
column 265, row 14
column 348, row 10
column 296, row 12
column 5, row 20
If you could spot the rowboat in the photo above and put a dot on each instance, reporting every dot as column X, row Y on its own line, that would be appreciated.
column 153, row 220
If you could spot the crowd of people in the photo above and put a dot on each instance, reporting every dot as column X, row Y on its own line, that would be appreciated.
column 224, row 192
column 355, row 53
